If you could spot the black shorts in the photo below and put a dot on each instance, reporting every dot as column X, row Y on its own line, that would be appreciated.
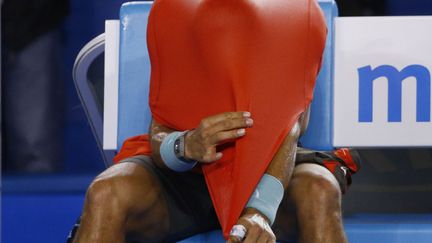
column 189, row 203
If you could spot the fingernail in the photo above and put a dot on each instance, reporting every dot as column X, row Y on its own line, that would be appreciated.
column 241, row 132
column 246, row 114
column 219, row 155
column 249, row 122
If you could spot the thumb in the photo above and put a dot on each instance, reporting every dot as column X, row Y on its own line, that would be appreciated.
column 233, row 239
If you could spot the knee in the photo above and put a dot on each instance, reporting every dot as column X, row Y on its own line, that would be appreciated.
column 121, row 190
column 102, row 192
column 321, row 190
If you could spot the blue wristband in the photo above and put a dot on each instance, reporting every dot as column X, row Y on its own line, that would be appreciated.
column 267, row 197
column 169, row 156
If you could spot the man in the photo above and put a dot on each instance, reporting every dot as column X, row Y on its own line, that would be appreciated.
column 145, row 198
column 139, row 199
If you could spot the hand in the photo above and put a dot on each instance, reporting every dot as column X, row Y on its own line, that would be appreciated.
column 201, row 143
column 256, row 226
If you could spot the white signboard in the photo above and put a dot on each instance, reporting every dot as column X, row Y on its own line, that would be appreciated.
column 382, row 86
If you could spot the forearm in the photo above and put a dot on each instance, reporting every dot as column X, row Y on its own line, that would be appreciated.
column 157, row 134
column 269, row 192
column 282, row 164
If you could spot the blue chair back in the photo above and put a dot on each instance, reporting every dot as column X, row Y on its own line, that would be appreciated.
column 319, row 134
column 134, row 71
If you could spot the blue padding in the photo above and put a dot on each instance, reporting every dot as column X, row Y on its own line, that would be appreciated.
column 134, row 73
column 319, row 134
column 55, row 183
column 370, row 228
column 210, row 237
column 44, row 218
column 390, row 228
column 134, row 112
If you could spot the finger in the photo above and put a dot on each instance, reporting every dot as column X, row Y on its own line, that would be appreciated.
column 211, row 156
column 270, row 240
column 230, row 124
column 270, row 236
column 233, row 239
column 212, row 120
column 226, row 136
column 253, row 234
column 266, row 236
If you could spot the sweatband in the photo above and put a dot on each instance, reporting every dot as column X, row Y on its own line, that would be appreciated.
column 168, row 154
column 267, row 197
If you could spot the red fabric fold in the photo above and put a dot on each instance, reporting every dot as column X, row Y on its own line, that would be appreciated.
column 137, row 145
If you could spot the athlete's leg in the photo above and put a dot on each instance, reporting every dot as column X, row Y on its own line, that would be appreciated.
column 125, row 200
column 311, row 206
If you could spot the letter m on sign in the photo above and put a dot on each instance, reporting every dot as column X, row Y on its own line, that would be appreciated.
column 367, row 75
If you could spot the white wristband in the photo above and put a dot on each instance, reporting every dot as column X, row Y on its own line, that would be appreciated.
column 267, row 197
column 168, row 154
